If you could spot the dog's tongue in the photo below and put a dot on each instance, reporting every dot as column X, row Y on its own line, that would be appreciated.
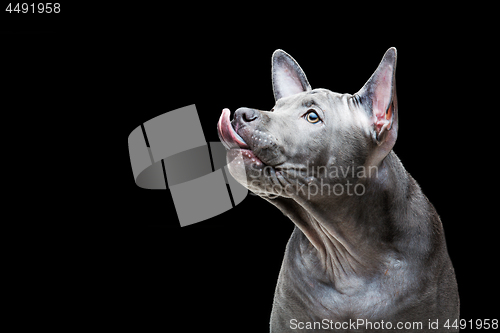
column 228, row 136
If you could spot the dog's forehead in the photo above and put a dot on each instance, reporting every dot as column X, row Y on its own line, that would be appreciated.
column 317, row 96
column 324, row 96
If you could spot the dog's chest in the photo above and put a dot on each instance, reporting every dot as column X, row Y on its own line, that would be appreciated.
column 350, row 298
column 369, row 301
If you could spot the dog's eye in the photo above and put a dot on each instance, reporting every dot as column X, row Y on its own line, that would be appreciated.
column 312, row 117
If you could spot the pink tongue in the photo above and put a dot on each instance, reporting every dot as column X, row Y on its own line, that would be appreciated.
column 228, row 135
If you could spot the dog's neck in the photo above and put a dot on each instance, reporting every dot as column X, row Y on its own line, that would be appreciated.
column 345, row 231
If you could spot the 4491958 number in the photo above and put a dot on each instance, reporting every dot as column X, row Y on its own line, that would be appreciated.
column 47, row 8
column 478, row 324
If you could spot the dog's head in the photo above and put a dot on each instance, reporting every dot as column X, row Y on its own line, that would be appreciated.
column 312, row 137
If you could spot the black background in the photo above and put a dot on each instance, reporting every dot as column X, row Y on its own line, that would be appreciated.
column 96, row 246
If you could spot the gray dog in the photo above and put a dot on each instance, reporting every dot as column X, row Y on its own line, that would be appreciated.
column 368, row 251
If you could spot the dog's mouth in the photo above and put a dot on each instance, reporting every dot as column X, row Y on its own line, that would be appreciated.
column 245, row 162
column 259, row 151
column 233, row 141
column 227, row 134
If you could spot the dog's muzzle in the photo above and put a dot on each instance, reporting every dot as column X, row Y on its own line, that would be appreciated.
column 227, row 134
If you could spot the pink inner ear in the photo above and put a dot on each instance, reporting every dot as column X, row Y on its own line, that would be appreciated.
column 382, row 94
column 381, row 99
column 289, row 82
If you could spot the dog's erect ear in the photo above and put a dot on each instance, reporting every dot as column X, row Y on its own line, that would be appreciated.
column 378, row 97
column 288, row 77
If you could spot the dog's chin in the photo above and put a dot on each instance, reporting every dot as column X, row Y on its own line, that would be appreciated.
column 244, row 156
column 244, row 166
column 261, row 179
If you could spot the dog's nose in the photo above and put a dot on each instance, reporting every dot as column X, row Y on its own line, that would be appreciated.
column 246, row 115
